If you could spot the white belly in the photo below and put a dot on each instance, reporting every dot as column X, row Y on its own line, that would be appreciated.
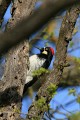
column 35, row 64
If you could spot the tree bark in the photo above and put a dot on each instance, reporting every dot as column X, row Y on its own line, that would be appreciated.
column 55, row 76
column 33, row 23
column 12, row 84
column 70, row 76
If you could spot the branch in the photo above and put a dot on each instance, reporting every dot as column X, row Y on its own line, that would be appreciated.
column 3, row 7
column 55, row 76
column 70, row 76
column 13, row 80
column 33, row 23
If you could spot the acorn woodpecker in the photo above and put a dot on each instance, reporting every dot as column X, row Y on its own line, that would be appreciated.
column 36, row 62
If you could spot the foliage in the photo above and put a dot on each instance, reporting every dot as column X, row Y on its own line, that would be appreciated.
column 71, row 44
column 75, row 116
column 77, row 60
column 72, row 91
column 52, row 89
column 41, row 104
column 40, row 71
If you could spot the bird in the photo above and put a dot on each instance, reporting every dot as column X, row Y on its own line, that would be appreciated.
column 37, row 61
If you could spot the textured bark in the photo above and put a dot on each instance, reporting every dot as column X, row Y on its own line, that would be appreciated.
column 33, row 23
column 3, row 7
column 70, row 76
column 55, row 76
column 12, row 84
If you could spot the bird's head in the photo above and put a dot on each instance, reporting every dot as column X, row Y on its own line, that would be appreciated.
column 47, row 50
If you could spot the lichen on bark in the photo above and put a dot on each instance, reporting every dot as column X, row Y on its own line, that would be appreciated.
column 55, row 76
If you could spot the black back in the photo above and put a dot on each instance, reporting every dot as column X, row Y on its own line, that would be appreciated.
column 46, row 64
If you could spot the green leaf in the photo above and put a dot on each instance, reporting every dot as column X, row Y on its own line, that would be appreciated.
column 40, row 71
column 71, row 43
column 72, row 91
column 52, row 89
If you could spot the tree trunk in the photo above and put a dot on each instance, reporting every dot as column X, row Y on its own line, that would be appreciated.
column 38, row 108
column 12, row 84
